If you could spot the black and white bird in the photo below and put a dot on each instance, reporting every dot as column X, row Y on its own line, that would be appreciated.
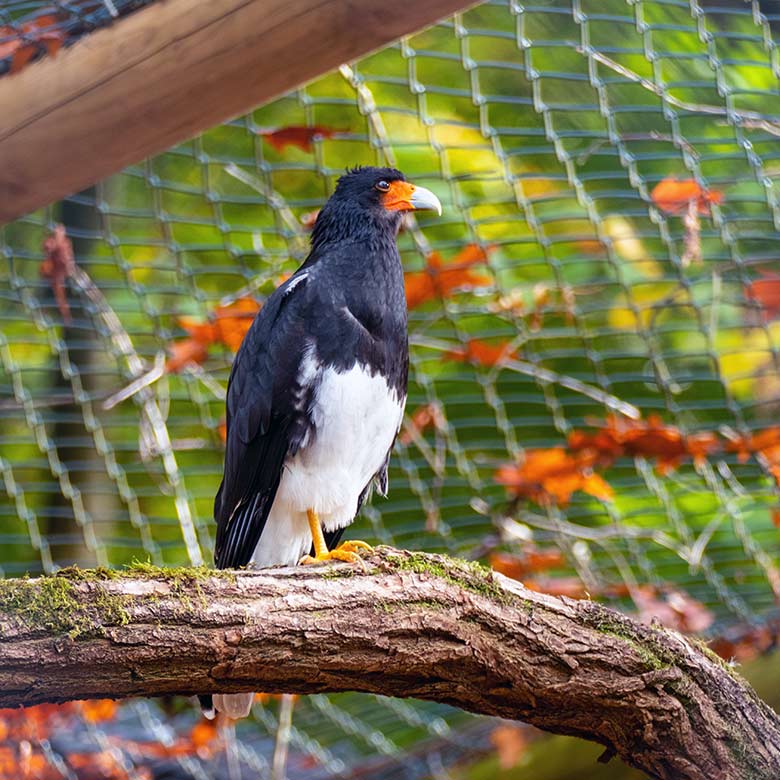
column 318, row 388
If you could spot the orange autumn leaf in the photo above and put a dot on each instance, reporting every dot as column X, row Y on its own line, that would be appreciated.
column 674, row 195
column 99, row 710
column 571, row 587
column 602, row 444
column 202, row 332
column 531, row 561
column 482, row 353
column 29, row 39
column 747, row 641
column 57, row 266
column 766, row 291
column 527, row 567
column 551, row 476
column 764, row 442
column 765, row 447
column 424, row 417
column 439, row 279
column 510, row 742
column 667, row 443
column 203, row 733
column 301, row 136
column 184, row 353
column 104, row 765
column 673, row 608
column 227, row 325
column 650, row 439
column 232, row 322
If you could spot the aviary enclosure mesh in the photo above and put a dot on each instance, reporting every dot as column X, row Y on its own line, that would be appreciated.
column 543, row 129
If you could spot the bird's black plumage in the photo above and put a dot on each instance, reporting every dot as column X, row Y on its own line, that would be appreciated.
column 345, row 306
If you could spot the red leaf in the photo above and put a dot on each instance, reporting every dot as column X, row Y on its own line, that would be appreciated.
column 439, row 279
column 764, row 446
column 673, row 195
column 424, row 417
column 764, row 442
column 99, row 710
column 57, row 266
column 227, row 325
column 510, row 741
column 673, row 608
column 571, row 587
column 232, row 322
column 531, row 561
column 301, row 136
column 766, row 291
column 482, row 353
column 29, row 39
column 550, row 476
column 743, row 643
column 650, row 439
column 185, row 352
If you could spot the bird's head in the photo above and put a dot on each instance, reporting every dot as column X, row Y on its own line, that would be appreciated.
column 384, row 190
column 370, row 196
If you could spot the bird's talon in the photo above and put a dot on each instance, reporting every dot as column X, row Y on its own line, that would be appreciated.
column 346, row 552
column 354, row 545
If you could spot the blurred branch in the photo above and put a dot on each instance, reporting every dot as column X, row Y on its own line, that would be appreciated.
column 406, row 624
column 753, row 120
column 653, row 135
column 545, row 375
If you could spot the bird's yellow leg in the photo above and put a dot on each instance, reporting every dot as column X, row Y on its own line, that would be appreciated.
column 347, row 551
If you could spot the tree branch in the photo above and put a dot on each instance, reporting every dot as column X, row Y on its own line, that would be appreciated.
column 409, row 625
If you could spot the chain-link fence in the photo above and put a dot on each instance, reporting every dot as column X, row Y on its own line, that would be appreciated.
column 578, row 291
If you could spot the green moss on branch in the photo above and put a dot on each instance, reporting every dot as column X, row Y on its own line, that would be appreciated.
column 52, row 604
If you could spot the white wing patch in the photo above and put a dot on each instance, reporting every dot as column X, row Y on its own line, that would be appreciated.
column 295, row 282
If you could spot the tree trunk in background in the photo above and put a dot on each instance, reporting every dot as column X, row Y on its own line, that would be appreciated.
column 75, row 446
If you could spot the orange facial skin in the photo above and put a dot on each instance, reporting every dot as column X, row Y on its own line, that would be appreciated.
column 399, row 196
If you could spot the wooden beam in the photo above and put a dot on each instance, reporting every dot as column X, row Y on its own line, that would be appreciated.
column 168, row 72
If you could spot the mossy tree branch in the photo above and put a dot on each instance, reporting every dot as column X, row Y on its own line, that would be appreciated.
column 409, row 625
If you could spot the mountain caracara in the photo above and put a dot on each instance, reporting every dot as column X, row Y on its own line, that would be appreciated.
column 318, row 388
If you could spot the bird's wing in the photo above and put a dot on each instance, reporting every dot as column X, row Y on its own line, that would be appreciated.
column 265, row 421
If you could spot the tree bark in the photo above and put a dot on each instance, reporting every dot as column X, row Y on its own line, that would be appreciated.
column 408, row 625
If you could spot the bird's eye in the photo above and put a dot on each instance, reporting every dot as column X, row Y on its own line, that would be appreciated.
column 382, row 186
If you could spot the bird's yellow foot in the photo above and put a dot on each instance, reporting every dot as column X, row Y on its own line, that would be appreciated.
column 346, row 551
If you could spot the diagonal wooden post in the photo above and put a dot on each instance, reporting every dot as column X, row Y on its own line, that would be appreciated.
column 168, row 72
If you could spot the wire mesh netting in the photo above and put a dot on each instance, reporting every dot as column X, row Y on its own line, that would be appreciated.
column 611, row 218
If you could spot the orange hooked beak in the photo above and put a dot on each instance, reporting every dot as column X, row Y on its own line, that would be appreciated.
column 404, row 196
